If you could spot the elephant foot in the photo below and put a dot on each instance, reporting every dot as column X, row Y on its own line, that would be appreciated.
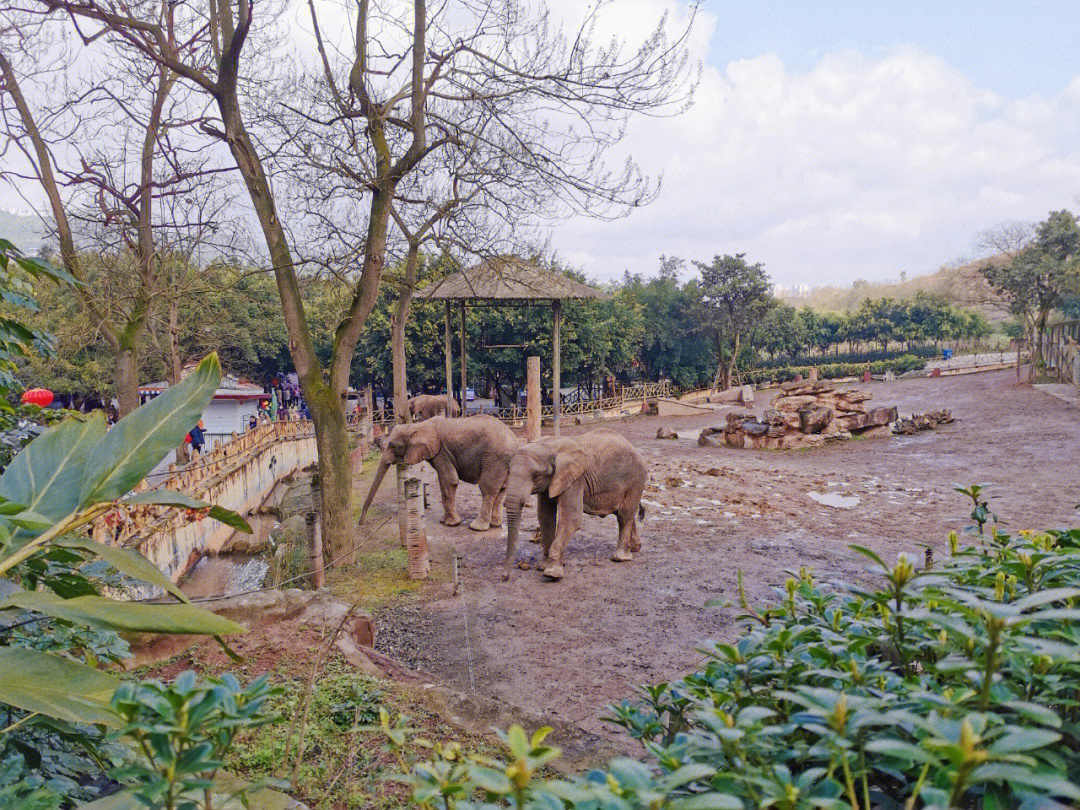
column 554, row 571
column 479, row 525
column 622, row 555
column 635, row 547
column 451, row 520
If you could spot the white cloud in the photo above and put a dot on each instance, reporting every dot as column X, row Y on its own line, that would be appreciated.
column 858, row 167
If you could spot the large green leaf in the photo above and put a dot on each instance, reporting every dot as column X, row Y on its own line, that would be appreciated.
column 39, row 682
column 141, row 439
column 46, row 475
column 124, row 617
column 126, row 561
column 167, row 497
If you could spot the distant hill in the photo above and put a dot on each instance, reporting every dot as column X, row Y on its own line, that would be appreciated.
column 962, row 285
column 22, row 230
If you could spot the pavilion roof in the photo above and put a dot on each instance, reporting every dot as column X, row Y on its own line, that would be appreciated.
column 508, row 278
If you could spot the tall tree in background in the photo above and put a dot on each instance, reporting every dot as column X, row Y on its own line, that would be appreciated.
column 734, row 295
column 404, row 86
column 120, row 193
column 1041, row 270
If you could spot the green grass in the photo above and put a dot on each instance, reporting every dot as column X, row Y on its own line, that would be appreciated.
column 341, row 697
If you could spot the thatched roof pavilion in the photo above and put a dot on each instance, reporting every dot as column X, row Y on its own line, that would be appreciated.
column 508, row 281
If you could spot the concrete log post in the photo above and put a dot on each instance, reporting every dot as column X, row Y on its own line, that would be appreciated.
column 416, row 545
column 402, row 471
column 532, row 400
column 318, row 577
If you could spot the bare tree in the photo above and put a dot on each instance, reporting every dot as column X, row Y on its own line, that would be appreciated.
column 400, row 88
column 110, row 159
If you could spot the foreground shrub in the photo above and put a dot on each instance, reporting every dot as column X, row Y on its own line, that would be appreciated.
column 954, row 685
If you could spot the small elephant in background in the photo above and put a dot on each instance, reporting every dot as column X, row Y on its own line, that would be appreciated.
column 597, row 473
column 425, row 406
column 476, row 450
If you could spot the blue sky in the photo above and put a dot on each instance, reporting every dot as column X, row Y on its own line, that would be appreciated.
column 1012, row 48
column 844, row 140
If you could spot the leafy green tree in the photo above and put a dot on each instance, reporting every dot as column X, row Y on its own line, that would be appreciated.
column 1039, row 275
column 734, row 294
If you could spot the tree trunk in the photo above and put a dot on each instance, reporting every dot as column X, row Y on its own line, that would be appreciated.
column 127, row 378
column 176, row 363
column 731, row 364
column 335, row 470
column 397, row 336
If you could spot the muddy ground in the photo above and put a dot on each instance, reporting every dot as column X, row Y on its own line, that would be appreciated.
column 568, row 649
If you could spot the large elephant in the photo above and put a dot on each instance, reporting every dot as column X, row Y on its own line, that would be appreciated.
column 598, row 473
column 476, row 450
column 425, row 406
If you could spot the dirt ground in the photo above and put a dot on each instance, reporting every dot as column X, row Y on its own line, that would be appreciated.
column 567, row 649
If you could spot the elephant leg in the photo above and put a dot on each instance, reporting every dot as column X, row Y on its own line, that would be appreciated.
column 491, row 489
column 546, row 515
column 482, row 522
column 570, row 508
column 622, row 548
column 497, row 509
column 448, row 484
column 635, row 538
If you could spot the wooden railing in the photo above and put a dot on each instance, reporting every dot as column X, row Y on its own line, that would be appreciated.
column 514, row 415
column 1061, row 351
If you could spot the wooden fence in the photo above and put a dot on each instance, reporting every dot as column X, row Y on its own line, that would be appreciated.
column 514, row 415
column 1061, row 351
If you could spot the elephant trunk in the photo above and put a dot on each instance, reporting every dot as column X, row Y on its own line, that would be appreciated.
column 513, row 523
column 384, row 465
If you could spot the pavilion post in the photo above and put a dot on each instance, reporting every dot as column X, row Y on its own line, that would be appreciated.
column 532, row 399
column 449, row 358
column 464, row 359
column 556, row 364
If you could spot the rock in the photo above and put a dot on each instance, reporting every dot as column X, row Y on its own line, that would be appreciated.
column 711, row 440
column 714, row 471
column 796, row 441
column 666, row 433
column 881, row 416
column 796, row 388
column 875, row 432
column 922, row 421
column 650, row 407
column 755, row 428
column 814, row 418
column 855, row 395
column 788, row 404
column 673, row 482
column 852, row 421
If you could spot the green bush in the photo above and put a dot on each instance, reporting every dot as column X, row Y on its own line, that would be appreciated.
column 832, row 371
column 953, row 685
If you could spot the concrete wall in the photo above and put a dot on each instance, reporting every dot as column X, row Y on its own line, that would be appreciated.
column 238, row 475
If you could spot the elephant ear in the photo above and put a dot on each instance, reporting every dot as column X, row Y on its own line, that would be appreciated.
column 424, row 444
column 569, row 467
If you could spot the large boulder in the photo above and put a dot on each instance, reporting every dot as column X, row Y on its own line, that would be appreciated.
column 793, row 403
column 881, row 416
column 666, row 433
column 814, row 418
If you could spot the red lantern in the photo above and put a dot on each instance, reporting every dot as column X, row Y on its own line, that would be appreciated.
column 42, row 397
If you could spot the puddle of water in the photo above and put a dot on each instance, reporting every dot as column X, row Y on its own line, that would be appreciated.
column 835, row 499
column 231, row 573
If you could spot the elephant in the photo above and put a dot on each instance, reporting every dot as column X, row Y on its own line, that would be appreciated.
column 598, row 473
column 425, row 406
column 476, row 450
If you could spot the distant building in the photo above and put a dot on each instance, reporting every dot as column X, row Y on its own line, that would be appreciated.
column 228, row 412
